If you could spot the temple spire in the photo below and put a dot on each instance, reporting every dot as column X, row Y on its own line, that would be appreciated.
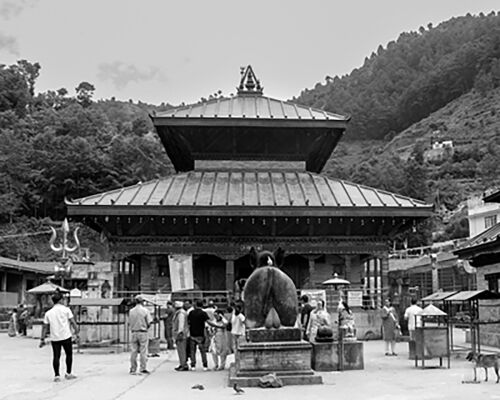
column 249, row 84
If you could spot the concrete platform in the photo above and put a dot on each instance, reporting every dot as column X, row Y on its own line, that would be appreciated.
column 326, row 357
column 290, row 360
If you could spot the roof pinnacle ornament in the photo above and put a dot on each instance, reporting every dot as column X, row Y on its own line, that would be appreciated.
column 249, row 84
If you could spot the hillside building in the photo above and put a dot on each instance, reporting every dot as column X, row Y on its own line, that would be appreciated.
column 483, row 252
column 482, row 215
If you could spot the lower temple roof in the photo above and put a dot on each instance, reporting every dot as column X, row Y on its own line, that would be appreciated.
column 273, row 193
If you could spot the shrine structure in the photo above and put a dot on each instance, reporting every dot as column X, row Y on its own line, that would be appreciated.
column 248, row 173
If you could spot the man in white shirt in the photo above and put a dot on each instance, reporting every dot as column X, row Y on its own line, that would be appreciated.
column 411, row 315
column 59, row 320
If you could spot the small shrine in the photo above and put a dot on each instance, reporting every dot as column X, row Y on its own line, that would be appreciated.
column 248, row 174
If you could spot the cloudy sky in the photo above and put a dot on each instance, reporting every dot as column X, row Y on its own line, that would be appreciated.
column 178, row 51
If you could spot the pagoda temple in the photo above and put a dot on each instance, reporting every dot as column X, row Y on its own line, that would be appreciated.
column 248, row 173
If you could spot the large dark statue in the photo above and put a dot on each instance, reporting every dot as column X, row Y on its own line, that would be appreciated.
column 270, row 295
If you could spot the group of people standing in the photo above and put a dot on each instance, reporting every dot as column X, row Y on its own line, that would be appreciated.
column 18, row 321
column 391, row 329
column 313, row 317
column 206, row 329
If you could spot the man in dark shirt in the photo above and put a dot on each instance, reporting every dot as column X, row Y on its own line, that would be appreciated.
column 305, row 314
column 196, row 321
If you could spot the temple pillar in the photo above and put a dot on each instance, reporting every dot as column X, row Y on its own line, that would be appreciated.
column 115, row 269
column 229, row 274
column 435, row 280
column 384, row 274
column 312, row 267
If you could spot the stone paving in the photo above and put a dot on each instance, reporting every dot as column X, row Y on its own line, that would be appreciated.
column 26, row 373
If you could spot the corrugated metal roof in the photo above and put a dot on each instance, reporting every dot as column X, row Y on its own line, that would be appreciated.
column 473, row 295
column 438, row 296
column 489, row 235
column 492, row 197
column 256, row 189
column 31, row 266
column 87, row 302
column 249, row 107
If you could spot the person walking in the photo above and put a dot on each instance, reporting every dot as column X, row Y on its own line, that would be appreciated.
column 196, row 322
column 59, row 320
column 219, row 344
column 412, row 316
column 180, row 334
column 140, row 320
column 390, row 327
column 168, row 317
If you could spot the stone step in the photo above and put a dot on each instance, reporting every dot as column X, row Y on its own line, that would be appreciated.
column 253, row 381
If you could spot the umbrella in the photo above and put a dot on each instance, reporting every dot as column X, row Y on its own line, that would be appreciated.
column 336, row 281
column 431, row 310
column 47, row 288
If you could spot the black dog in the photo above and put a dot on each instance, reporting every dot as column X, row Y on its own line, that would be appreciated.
column 484, row 361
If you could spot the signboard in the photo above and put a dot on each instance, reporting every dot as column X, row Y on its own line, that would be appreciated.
column 355, row 298
column 314, row 294
column 181, row 272
column 159, row 299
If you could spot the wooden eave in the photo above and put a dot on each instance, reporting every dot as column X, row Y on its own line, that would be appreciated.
column 244, row 211
column 255, row 122
column 479, row 249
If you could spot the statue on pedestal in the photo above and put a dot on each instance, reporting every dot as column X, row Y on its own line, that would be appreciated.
column 270, row 295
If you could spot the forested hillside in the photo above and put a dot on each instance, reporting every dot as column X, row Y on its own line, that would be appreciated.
column 414, row 76
column 55, row 146
column 438, row 84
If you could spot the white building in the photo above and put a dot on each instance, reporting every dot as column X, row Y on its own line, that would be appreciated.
column 481, row 215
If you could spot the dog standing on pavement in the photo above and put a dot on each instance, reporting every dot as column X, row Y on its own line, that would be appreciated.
column 484, row 361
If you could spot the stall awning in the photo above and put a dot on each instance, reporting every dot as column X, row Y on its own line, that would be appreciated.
column 438, row 296
column 468, row 295
column 98, row 302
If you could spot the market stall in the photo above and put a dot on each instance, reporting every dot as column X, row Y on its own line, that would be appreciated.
column 432, row 336
column 102, row 322
column 463, row 310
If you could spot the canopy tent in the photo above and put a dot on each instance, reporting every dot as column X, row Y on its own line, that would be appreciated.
column 48, row 288
column 431, row 310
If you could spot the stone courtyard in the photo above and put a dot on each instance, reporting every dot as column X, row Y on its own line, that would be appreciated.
column 26, row 373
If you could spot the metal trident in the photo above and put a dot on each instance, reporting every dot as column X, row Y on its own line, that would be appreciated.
column 64, row 247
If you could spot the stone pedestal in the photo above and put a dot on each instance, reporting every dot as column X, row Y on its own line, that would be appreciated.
column 325, row 356
column 275, row 335
column 290, row 360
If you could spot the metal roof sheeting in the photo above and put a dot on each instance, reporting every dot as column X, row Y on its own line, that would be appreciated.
column 251, row 107
column 467, row 295
column 87, row 302
column 250, row 189
column 438, row 296
column 45, row 268
column 489, row 235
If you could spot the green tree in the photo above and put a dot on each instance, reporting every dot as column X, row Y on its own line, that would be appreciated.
column 84, row 93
